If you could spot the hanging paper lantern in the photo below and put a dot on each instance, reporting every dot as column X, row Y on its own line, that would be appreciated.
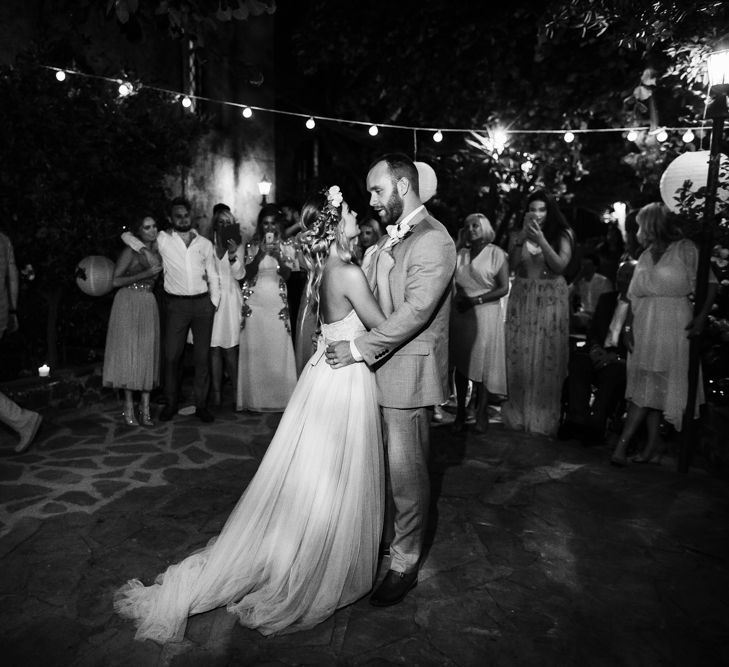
column 428, row 181
column 95, row 275
column 692, row 166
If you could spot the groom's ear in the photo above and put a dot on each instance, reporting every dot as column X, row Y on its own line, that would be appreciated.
column 403, row 186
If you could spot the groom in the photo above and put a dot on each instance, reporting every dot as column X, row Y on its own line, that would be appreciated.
column 409, row 352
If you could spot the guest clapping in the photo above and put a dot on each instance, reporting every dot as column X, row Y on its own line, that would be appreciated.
column 662, row 322
column 131, row 358
column 477, row 319
column 537, row 321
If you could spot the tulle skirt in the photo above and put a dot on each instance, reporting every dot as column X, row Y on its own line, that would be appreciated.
column 131, row 357
column 303, row 539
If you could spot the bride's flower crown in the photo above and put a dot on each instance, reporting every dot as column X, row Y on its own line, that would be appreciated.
column 325, row 223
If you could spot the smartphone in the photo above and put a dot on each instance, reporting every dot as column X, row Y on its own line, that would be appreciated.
column 230, row 232
column 269, row 237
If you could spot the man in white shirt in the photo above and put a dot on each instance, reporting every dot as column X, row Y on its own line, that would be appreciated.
column 192, row 294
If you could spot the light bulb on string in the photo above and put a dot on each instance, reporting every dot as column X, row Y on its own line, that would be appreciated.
column 61, row 75
column 632, row 135
column 125, row 88
column 569, row 137
column 186, row 102
column 373, row 130
column 499, row 139
column 310, row 123
column 438, row 137
column 247, row 112
column 661, row 135
column 688, row 136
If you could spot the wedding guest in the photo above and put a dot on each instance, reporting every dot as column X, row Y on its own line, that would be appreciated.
column 24, row 422
column 225, row 337
column 658, row 336
column 131, row 356
column 266, row 365
column 610, row 251
column 477, row 320
column 587, row 289
column 537, row 320
column 370, row 232
column 192, row 293
column 600, row 364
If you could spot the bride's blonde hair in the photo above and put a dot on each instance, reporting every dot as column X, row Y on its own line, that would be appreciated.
column 321, row 220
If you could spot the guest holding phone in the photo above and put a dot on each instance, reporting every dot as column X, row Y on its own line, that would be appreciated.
column 226, row 324
column 266, row 366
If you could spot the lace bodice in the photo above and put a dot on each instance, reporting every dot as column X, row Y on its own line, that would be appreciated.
column 348, row 328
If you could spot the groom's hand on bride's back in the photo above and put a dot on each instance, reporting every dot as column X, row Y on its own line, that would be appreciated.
column 339, row 354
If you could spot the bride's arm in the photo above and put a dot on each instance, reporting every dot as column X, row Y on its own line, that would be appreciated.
column 357, row 291
column 385, row 262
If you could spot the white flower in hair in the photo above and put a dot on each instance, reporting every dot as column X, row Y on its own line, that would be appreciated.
column 335, row 197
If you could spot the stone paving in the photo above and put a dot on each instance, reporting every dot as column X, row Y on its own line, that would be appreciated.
column 539, row 552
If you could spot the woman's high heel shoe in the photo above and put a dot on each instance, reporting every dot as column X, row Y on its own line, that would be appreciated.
column 129, row 418
column 144, row 417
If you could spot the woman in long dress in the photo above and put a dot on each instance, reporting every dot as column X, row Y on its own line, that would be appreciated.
column 537, row 319
column 266, row 362
column 658, row 336
column 131, row 356
column 477, row 320
column 303, row 539
column 225, row 337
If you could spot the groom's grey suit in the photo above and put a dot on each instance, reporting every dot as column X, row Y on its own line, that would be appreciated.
column 409, row 352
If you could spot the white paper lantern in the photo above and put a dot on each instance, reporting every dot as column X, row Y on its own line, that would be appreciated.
column 428, row 181
column 95, row 275
column 692, row 166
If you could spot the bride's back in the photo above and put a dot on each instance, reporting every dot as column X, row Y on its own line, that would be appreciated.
column 333, row 303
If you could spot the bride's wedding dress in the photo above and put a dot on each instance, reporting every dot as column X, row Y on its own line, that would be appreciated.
column 303, row 539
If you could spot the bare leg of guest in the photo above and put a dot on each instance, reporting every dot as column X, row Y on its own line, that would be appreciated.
column 482, row 407
column 632, row 422
column 653, row 446
column 129, row 418
column 144, row 414
column 216, row 374
column 461, row 382
column 230, row 357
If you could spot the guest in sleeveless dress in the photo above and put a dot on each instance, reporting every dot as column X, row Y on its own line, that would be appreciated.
column 303, row 539
column 537, row 319
column 225, row 338
column 658, row 335
column 477, row 320
column 266, row 364
column 131, row 357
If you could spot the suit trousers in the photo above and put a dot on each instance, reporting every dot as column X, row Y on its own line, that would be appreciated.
column 407, row 447
column 183, row 314
column 13, row 415
column 609, row 383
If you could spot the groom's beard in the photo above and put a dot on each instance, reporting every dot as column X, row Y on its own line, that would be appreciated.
column 392, row 210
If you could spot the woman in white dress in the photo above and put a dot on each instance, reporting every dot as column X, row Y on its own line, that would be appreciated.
column 477, row 319
column 303, row 539
column 230, row 261
column 266, row 363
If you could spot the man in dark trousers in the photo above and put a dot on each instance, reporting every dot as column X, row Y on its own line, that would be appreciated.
column 600, row 364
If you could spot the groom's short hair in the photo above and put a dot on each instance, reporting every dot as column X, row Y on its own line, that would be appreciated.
column 400, row 166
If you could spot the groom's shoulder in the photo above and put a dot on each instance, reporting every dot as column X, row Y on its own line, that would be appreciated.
column 433, row 228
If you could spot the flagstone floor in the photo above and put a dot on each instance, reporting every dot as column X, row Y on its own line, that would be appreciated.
column 539, row 552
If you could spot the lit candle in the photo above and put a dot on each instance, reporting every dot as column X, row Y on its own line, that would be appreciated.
column 44, row 371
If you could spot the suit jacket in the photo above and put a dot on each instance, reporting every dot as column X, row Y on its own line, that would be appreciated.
column 601, row 319
column 409, row 350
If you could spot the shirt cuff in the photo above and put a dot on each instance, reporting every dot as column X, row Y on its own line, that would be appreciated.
column 355, row 352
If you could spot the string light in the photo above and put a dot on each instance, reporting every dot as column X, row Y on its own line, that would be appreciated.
column 688, row 136
column 310, row 124
column 498, row 138
column 125, row 88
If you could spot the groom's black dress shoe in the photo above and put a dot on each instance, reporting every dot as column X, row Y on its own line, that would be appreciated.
column 394, row 588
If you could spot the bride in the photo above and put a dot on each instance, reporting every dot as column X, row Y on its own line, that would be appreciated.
column 303, row 539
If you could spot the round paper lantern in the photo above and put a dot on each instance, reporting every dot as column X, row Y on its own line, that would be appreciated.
column 692, row 166
column 95, row 275
column 428, row 181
